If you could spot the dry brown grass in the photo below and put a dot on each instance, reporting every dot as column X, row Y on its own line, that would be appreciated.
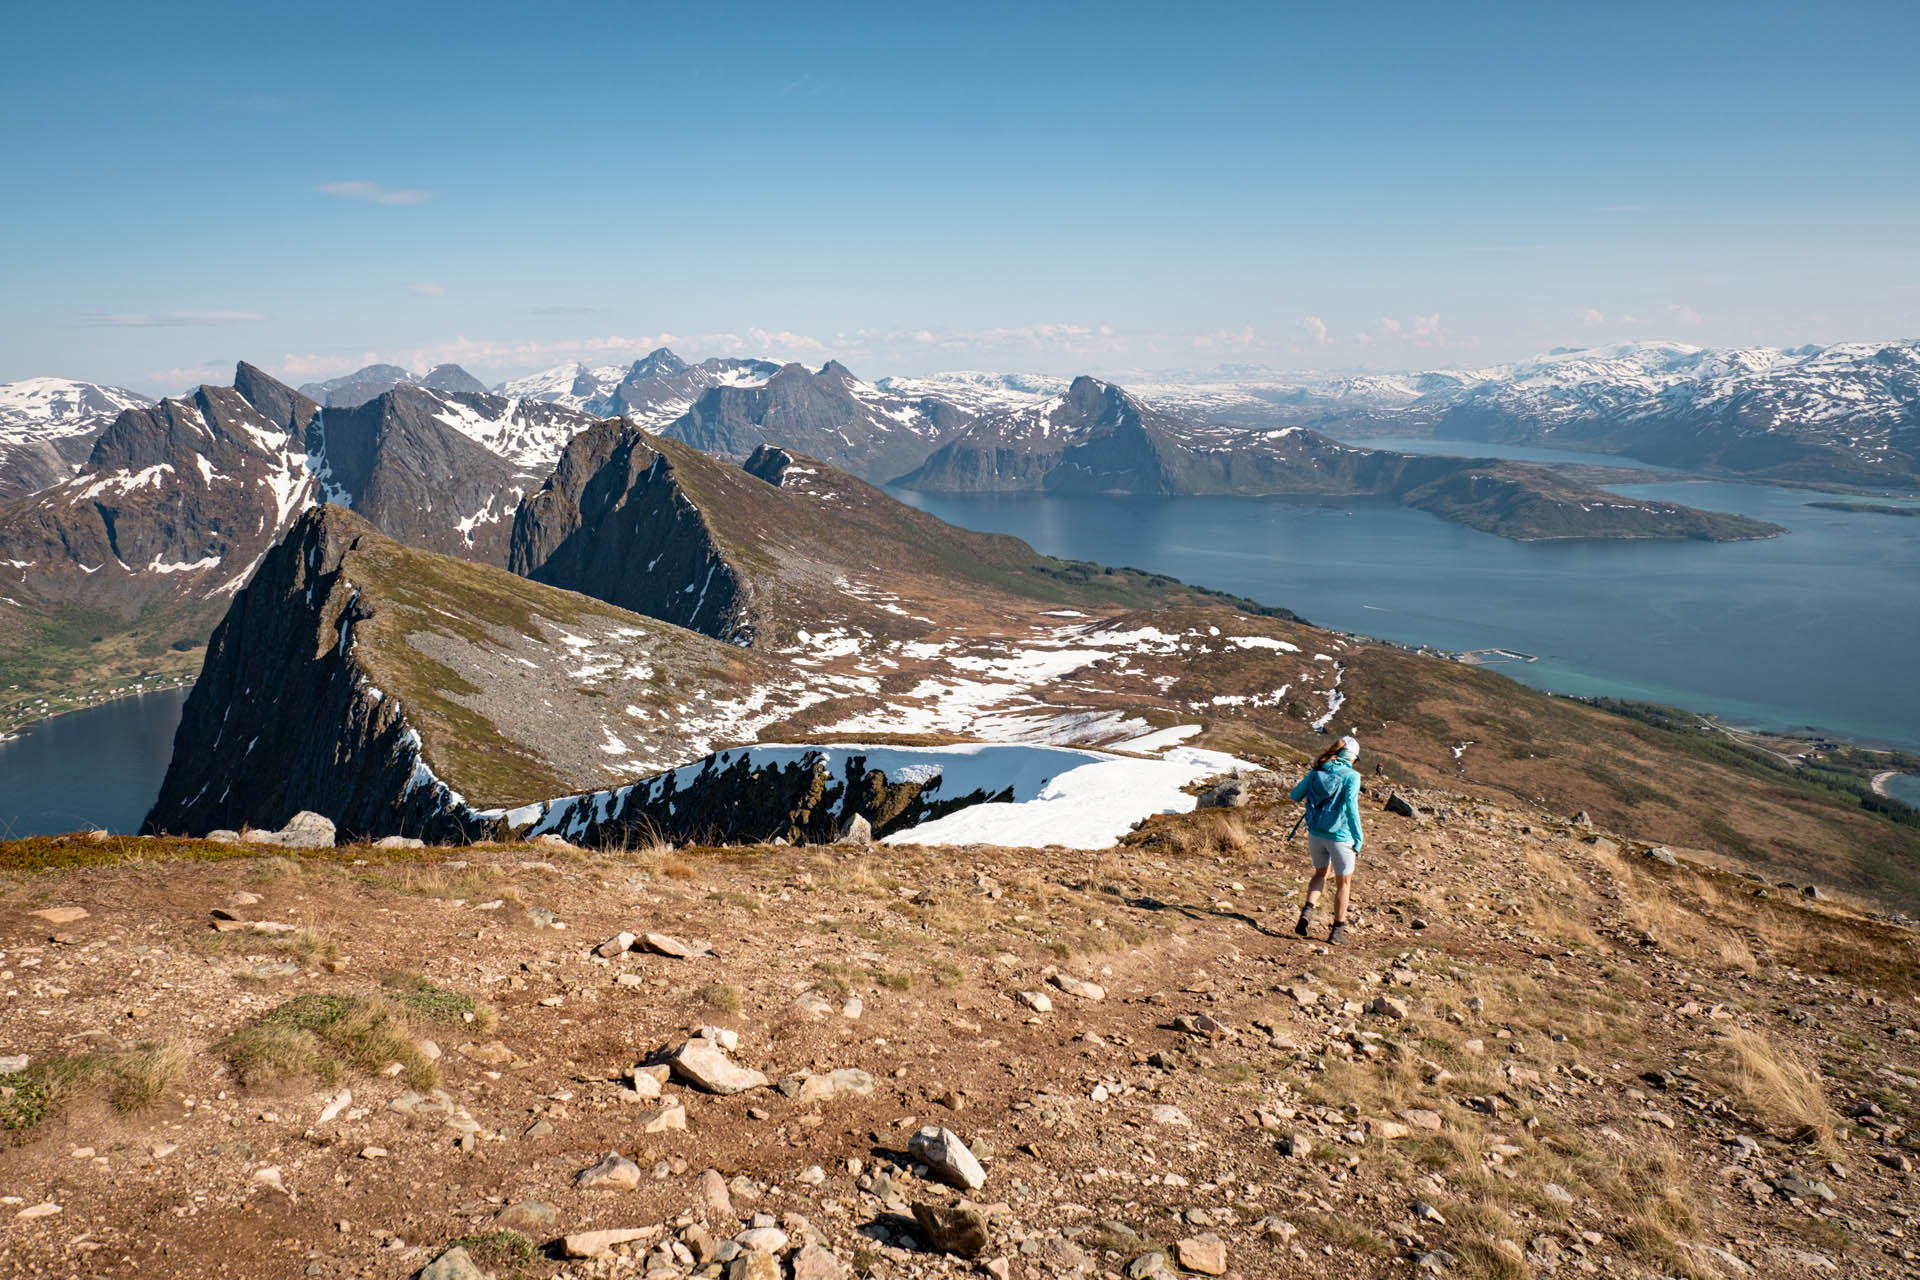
column 1776, row 1087
column 304, row 945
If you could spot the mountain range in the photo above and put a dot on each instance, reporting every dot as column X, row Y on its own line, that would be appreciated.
column 1097, row 438
column 132, row 523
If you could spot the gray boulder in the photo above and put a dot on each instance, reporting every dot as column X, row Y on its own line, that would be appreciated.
column 304, row 830
column 946, row 1157
column 1228, row 794
column 1397, row 803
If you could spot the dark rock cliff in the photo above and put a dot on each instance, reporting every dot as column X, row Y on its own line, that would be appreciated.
column 398, row 464
column 282, row 717
column 804, row 796
column 614, row 522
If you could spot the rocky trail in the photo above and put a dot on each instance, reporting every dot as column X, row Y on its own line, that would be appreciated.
column 1543, row 1051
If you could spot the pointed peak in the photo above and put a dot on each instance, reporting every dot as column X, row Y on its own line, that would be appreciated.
column 659, row 363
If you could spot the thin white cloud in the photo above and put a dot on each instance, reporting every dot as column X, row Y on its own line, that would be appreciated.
column 373, row 192
column 1592, row 315
column 170, row 319
column 1313, row 329
column 1683, row 313
column 427, row 289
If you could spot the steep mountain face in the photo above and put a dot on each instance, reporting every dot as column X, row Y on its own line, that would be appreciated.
column 1097, row 438
column 362, row 385
column 175, row 504
column 828, row 414
column 428, row 467
column 47, row 428
column 769, row 554
column 662, row 386
column 613, row 499
column 401, row 692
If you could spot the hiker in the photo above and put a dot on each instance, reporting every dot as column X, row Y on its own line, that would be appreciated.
column 1331, row 790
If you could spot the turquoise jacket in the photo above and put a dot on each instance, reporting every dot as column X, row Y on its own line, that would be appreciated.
column 1332, row 794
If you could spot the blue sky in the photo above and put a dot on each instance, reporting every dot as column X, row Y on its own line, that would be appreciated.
column 1058, row 188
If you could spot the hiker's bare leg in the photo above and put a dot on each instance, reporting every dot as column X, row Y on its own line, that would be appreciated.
column 1314, row 886
column 1340, row 887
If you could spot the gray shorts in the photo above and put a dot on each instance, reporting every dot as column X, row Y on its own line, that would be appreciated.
column 1338, row 853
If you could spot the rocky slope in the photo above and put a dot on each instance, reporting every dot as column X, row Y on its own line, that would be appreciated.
column 780, row 549
column 47, row 427
column 1543, row 1052
column 133, row 559
column 414, row 694
column 826, row 413
column 1097, row 438
column 383, row 686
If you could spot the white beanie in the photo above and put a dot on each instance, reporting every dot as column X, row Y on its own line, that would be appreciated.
column 1350, row 747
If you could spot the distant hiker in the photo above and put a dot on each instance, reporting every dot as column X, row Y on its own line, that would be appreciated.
column 1331, row 791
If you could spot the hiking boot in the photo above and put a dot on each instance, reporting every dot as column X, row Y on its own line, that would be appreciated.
column 1306, row 919
column 1338, row 934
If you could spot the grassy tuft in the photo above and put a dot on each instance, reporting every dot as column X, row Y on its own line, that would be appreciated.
column 1776, row 1087
column 430, row 1002
column 318, row 1035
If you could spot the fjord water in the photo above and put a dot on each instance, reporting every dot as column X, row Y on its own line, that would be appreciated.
column 1819, row 627
column 100, row 767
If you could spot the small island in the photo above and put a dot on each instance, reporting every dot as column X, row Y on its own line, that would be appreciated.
column 1875, row 508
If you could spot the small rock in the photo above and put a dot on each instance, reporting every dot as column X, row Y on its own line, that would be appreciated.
column 663, row 944
column 222, row 835
column 399, row 842
column 1397, row 804
column 959, row 1231
column 12, row 1063
column 614, row 1173
column 618, row 944
column 45, row 1209
column 533, row 1218
column 811, row 1262
column 1299, row 1146
column 1076, row 987
column 1151, row 1263
column 61, row 915
column 762, row 1239
column 947, row 1157
column 1663, row 856
column 852, row 1007
column 1205, row 1253
column 673, row 1116
column 858, row 832
column 1170, row 1115
column 714, row 1197
column 1230, row 794
column 1387, row 1007
column 591, row 1244
column 1038, row 1001
column 704, row 1065
column 750, row 1264
column 454, row 1264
